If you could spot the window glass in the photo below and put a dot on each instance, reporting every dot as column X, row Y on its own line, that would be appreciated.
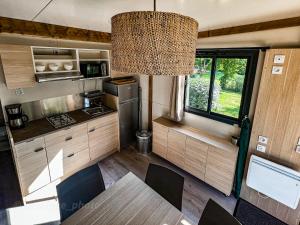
column 198, row 84
column 228, row 86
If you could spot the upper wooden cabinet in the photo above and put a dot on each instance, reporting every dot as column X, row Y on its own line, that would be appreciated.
column 17, row 66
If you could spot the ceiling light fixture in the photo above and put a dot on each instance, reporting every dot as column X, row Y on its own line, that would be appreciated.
column 153, row 43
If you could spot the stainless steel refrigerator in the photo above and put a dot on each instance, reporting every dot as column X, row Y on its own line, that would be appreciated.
column 128, row 109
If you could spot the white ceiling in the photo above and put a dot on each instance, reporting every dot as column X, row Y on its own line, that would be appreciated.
column 96, row 14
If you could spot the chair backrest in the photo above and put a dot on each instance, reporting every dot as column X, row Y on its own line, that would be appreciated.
column 79, row 189
column 214, row 214
column 167, row 183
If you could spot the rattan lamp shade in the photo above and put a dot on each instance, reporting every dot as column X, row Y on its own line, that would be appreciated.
column 153, row 43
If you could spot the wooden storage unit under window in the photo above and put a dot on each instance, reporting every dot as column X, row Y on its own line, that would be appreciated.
column 176, row 148
column 195, row 157
column 207, row 157
column 160, row 140
column 17, row 66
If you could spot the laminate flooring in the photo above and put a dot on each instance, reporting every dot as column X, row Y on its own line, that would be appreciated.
column 195, row 196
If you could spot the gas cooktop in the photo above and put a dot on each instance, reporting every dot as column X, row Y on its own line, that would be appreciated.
column 61, row 120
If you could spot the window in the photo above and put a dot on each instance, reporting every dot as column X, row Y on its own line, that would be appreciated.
column 221, row 86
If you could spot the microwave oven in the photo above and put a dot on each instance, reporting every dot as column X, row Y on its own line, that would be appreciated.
column 94, row 69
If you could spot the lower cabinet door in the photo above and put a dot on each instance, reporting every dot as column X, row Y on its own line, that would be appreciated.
column 160, row 140
column 176, row 148
column 103, row 140
column 220, row 168
column 33, row 171
column 195, row 157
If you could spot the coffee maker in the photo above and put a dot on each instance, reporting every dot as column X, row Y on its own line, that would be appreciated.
column 16, row 118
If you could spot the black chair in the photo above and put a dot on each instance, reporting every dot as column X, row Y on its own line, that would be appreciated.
column 79, row 189
column 167, row 183
column 214, row 214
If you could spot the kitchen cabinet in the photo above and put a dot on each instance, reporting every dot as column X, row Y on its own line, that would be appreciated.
column 32, row 165
column 45, row 160
column 160, row 140
column 176, row 148
column 220, row 169
column 17, row 66
column 64, row 147
column 207, row 157
column 103, row 136
column 195, row 157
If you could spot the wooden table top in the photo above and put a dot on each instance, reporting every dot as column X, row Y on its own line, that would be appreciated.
column 128, row 201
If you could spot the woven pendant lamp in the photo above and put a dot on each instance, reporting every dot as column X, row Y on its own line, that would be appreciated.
column 153, row 43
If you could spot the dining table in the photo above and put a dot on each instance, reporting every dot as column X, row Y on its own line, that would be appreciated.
column 128, row 201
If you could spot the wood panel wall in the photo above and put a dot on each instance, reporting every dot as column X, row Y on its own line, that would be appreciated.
column 277, row 117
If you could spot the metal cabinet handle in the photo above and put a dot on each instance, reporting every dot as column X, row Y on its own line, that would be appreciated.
column 71, row 155
column 39, row 149
column 92, row 130
column 68, row 138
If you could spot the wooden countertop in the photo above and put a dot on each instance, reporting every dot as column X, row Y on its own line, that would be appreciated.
column 41, row 127
column 128, row 201
column 197, row 134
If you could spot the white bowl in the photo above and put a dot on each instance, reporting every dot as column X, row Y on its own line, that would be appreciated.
column 40, row 68
column 68, row 66
column 53, row 66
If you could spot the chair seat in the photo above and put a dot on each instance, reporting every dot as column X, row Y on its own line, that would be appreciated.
column 79, row 189
column 214, row 214
column 167, row 183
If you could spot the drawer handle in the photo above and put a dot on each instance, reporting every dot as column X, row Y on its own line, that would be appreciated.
column 69, row 138
column 39, row 149
column 71, row 155
column 92, row 130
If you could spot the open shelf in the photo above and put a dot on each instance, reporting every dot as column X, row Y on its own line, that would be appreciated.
column 61, row 56
column 57, row 71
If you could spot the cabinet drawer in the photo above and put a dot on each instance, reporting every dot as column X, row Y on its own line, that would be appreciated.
column 31, row 146
column 103, row 121
column 220, row 169
column 68, row 147
column 61, row 166
column 66, row 134
column 33, row 171
column 195, row 157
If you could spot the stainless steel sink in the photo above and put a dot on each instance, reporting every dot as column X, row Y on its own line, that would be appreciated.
column 96, row 111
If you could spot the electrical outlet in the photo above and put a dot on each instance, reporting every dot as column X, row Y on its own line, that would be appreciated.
column 279, row 59
column 262, row 140
column 19, row 91
column 298, row 148
column 261, row 148
column 276, row 70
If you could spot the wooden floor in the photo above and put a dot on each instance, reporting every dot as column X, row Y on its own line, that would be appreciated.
column 196, row 193
column 195, row 196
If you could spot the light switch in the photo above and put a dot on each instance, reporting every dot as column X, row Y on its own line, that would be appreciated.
column 277, row 70
column 263, row 140
column 298, row 148
column 261, row 148
column 279, row 59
